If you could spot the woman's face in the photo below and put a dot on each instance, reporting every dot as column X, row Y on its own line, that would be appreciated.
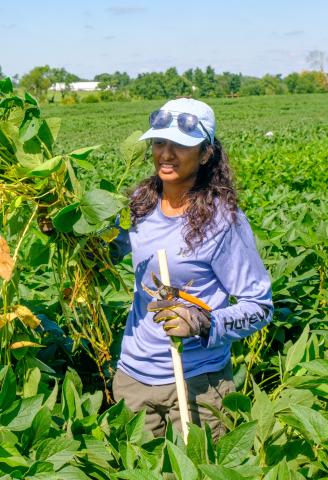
column 175, row 163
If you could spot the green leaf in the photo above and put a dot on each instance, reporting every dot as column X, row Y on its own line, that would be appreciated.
column 125, row 219
column 29, row 99
column 71, row 473
column 128, row 454
column 31, row 382
column 217, row 472
column 83, row 153
column 49, row 131
column 71, row 402
column 30, row 129
column 132, row 150
column 315, row 425
column 135, row 427
column 48, row 167
column 107, row 185
column 297, row 351
column 10, row 456
column 292, row 396
column 263, row 412
column 98, row 205
column 279, row 472
column 22, row 413
column 196, row 445
column 136, row 475
column 58, row 450
column 317, row 367
column 84, row 164
column 96, row 452
column 82, row 227
column 40, row 425
column 64, row 220
column 8, row 387
column 234, row 447
column 181, row 465
column 6, row 85
column 236, row 401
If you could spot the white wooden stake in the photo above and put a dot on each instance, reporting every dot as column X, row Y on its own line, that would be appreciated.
column 176, row 357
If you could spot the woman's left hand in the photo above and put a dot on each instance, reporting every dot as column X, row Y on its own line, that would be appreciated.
column 181, row 320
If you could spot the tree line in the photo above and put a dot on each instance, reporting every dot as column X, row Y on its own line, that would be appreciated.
column 169, row 84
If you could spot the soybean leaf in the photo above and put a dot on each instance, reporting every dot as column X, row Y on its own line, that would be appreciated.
column 10, row 456
column 58, row 450
column 98, row 205
column 234, row 447
column 8, row 387
column 182, row 466
column 237, row 401
column 217, row 472
column 317, row 367
column 96, row 452
column 135, row 427
column 132, row 150
column 263, row 412
column 40, row 425
column 83, row 153
column 20, row 416
column 64, row 220
column 196, row 446
column 314, row 424
column 30, row 129
column 82, row 227
column 6, row 85
column 29, row 99
column 128, row 454
column 48, row 167
column 137, row 475
column 71, row 473
column 31, row 383
column 297, row 351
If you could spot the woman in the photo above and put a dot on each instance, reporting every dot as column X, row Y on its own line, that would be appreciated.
column 188, row 207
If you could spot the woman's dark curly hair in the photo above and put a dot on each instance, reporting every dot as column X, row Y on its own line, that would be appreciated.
column 214, row 183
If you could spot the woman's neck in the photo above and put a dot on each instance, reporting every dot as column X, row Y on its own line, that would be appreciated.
column 174, row 201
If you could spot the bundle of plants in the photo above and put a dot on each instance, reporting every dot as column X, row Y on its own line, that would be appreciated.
column 49, row 224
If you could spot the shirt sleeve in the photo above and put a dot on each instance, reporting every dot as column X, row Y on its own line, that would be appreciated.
column 240, row 270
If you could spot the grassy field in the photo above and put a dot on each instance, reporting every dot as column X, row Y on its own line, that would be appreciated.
column 298, row 122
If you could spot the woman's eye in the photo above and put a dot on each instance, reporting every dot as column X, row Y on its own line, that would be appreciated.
column 158, row 141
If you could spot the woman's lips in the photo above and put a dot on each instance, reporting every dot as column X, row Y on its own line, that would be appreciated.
column 167, row 167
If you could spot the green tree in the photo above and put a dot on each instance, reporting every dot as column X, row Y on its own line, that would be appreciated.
column 1, row 73
column 117, row 80
column 38, row 80
column 273, row 85
column 251, row 86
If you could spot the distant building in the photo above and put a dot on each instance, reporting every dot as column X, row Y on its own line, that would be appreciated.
column 76, row 87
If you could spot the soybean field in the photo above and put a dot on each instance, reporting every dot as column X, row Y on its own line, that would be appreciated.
column 65, row 172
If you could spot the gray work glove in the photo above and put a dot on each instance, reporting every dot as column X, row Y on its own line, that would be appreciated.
column 181, row 320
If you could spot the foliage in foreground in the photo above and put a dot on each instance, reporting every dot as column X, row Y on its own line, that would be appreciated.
column 276, row 437
column 50, row 220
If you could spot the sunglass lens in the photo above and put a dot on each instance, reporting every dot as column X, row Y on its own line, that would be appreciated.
column 187, row 122
column 160, row 119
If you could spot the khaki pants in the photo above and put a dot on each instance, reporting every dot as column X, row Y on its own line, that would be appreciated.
column 161, row 402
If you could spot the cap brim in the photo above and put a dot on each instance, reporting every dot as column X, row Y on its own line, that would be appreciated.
column 175, row 135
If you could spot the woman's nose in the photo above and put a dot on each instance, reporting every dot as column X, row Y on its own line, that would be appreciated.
column 168, row 150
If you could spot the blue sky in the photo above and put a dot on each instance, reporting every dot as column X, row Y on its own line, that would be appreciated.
column 88, row 37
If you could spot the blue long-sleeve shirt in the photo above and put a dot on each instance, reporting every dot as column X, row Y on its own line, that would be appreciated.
column 227, row 264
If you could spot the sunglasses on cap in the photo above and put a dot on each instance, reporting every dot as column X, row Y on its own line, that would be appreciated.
column 187, row 122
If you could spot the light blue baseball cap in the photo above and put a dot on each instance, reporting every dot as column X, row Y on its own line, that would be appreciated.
column 204, row 129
